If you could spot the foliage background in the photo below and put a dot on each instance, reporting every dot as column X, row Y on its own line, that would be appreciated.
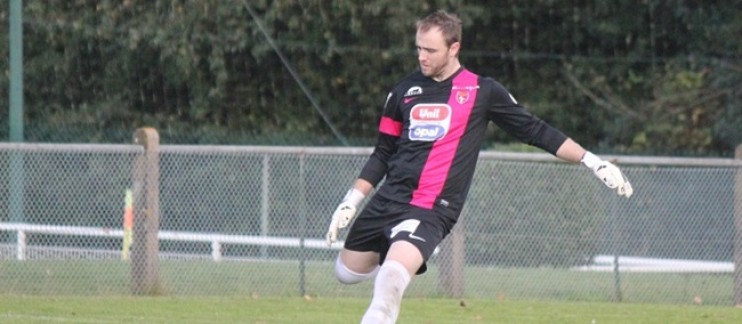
column 629, row 77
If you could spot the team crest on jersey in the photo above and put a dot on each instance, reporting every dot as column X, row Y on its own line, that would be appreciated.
column 429, row 122
column 462, row 96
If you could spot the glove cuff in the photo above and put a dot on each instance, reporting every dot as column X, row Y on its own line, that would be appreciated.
column 590, row 160
column 354, row 197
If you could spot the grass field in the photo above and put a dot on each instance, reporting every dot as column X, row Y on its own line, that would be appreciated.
column 98, row 291
column 112, row 309
column 287, row 279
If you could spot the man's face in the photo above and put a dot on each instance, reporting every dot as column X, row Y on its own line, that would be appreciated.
column 434, row 56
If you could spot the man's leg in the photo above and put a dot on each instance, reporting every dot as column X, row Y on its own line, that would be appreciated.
column 352, row 267
column 401, row 263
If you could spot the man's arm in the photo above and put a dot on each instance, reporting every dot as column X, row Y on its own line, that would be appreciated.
column 570, row 151
column 390, row 128
column 526, row 127
column 363, row 186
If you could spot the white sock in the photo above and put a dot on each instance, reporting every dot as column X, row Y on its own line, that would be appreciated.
column 390, row 284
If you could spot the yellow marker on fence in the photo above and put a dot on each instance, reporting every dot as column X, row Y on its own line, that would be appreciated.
column 128, row 225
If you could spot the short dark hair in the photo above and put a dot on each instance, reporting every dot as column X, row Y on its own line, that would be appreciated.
column 449, row 23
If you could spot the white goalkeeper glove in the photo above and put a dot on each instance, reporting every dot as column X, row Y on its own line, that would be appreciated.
column 344, row 213
column 609, row 174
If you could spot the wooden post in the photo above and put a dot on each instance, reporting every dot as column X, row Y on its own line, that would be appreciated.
column 146, row 191
column 738, row 230
column 453, row 257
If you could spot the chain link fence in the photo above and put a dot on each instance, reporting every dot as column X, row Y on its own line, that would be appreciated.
column 250, row 221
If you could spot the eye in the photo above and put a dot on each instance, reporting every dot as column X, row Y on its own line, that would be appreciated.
column 426, row 50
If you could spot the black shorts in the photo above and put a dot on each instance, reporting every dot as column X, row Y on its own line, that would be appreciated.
column 383, row 222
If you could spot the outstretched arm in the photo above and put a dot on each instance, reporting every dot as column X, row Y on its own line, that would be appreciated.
column 570, row 151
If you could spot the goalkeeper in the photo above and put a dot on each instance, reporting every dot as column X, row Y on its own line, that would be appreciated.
column 430, row 132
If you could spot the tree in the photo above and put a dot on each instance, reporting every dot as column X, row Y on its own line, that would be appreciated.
column 621, row 76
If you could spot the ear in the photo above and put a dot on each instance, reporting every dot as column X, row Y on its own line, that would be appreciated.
column 453, row 50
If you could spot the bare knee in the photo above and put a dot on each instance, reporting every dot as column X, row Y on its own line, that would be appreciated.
column 353, row 267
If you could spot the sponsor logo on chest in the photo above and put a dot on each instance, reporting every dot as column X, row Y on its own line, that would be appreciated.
column 429, row 122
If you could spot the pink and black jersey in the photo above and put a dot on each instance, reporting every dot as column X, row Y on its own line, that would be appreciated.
column 430, row 135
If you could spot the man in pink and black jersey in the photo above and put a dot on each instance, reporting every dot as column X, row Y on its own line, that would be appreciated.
column 430, row 133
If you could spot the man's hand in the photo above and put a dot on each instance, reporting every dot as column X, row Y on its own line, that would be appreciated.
column 609, row 174
column 343, row 214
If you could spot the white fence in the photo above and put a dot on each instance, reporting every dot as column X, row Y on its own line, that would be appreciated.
column 610, row 263
column 216, row 240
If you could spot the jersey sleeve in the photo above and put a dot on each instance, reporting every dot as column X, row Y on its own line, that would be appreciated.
column 514, row 119
column 390, row 129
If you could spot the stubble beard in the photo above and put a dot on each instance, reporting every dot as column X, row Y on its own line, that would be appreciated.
column 435, row 73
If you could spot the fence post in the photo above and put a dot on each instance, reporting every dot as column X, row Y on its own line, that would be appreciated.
column 738, row 231
column 146, row 191
column 453, row 256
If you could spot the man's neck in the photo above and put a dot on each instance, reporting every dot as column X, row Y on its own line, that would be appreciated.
column 452, row 67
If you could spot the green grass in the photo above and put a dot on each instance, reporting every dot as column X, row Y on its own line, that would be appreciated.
column 284, row 279
column 123, row 309
column 98, row 291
